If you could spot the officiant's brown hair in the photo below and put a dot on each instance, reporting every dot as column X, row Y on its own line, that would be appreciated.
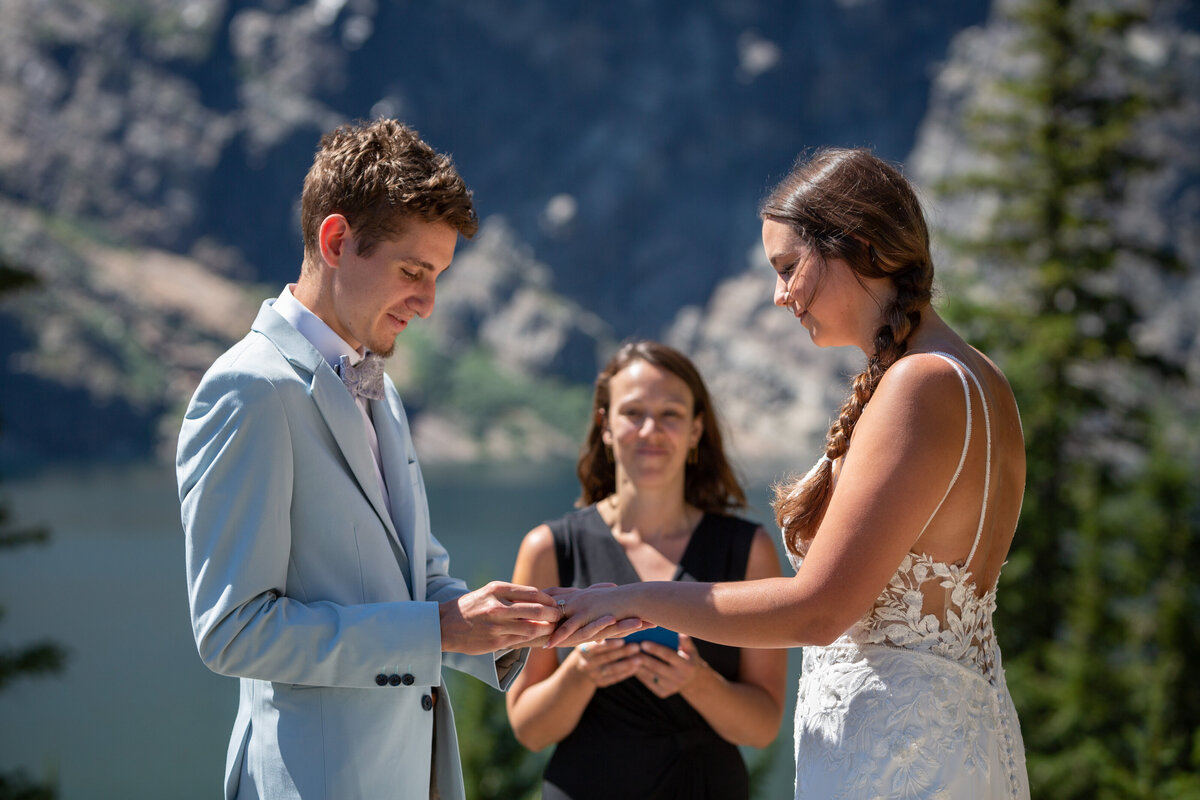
column 378, row 175
column 851, row 205
column 709, row 481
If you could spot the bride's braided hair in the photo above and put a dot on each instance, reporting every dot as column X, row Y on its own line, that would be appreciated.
column 852, row 206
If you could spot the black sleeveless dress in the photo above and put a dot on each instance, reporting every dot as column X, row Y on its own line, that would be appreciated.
column 630, row 743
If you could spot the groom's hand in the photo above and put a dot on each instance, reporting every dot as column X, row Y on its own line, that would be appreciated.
column 500, row 615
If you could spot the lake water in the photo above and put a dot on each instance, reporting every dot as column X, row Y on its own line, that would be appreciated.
column 135, row 714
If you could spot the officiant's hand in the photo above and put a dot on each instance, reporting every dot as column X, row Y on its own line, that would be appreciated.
column 670, row 670
column 606, row 662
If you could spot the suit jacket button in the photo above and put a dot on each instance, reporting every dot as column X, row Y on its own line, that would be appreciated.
column 427, row 702
column 408, row 679
column 394, row 680
column 381, row 679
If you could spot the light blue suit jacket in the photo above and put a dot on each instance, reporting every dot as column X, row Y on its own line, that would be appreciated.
column 302, row 584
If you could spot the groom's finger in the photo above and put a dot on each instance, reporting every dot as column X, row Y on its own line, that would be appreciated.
column 513, row 593
column 532, row 611
column 521, row 633
column 569, row 629
column 606, row 626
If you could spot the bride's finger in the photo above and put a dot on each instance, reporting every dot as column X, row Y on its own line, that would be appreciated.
column 566, row 635
column 606, row 627
column 626, row 626
column 587, row 633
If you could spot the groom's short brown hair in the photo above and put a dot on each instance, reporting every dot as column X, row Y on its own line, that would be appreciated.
column 377, row 175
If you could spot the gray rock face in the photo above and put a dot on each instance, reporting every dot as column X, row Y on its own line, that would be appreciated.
column 499, row 294
column 167, row 122
column 625, row 144
column 617, row 151
column 94, row 129
column 778, row 393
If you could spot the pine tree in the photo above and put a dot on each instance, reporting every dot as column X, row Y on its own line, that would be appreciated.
column 1100, row 599
column 39, row 658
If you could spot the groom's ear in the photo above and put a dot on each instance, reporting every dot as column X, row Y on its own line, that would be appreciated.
column 333, row 237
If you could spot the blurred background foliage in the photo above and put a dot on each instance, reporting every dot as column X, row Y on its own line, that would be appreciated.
column 472, row 384
column 27, row 660
column 1100, row 600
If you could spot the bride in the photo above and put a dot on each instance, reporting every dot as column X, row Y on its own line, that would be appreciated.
column 898, row 533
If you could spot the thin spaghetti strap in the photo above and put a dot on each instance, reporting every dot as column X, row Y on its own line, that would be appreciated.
column 987, row 466
column 959, row 369
column 987, row 426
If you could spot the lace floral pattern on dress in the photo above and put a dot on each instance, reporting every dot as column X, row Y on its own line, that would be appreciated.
column 911, row 704
column 962, row 632
column 887, row 726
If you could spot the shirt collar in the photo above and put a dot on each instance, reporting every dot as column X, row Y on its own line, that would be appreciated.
column 331, row 346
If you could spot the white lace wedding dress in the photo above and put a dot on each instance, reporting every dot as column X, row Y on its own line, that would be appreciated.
column 911, row 701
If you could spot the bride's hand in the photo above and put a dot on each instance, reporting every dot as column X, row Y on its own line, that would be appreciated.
column 592, row 614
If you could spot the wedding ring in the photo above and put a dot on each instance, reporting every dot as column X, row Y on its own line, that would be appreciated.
column 562, row 607
column 583, row 648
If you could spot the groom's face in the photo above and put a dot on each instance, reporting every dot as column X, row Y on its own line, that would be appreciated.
column 375, row 296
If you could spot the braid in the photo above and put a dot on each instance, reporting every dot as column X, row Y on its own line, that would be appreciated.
column 851, row 206
column 800, row 505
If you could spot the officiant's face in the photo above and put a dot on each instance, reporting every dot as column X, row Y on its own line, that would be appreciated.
column 650, row 423
column 376, row 295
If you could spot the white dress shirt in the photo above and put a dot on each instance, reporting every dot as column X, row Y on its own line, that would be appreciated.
column 332, row 347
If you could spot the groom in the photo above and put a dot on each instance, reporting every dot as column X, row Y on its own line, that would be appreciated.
column 312, row 572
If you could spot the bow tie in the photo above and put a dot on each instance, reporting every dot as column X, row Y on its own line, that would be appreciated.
column 364, row 379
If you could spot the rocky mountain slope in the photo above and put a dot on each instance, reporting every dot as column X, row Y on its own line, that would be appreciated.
column 778, row 391
column 1161, row 210
column 151, row 153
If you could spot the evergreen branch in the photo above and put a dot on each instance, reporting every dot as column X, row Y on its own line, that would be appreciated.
column 13, row 278
column 15, row 786
column 21, row 538
column 39, row 659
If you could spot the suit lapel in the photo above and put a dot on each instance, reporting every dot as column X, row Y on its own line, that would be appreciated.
column 346, row 423
column 399, row 472
column 340, row 413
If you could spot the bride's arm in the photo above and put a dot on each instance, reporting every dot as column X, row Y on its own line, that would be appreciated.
column 907, row 446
